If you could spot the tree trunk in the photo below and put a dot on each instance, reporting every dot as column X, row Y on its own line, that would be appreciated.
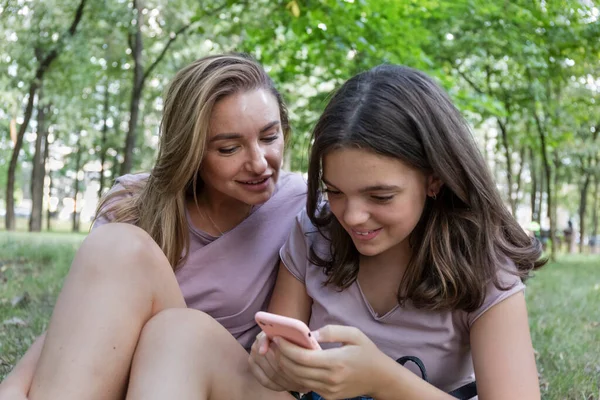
column 45, row 160
column 595, row 214
column 552, row 211
column 582, row 208
column 12, row 167
column 33, row 87
column 48, row 213
column 103, row 147
column 139, row 76
column 76, row 184
column 534, row 185
column 548, row 172
column 540, row 195
column 522, row 155
column 114, row 169
column 507, row 158
column 38, row 172
column 136, row 93
column 596, row 169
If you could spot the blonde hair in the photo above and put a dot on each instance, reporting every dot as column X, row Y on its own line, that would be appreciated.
column 157, row 204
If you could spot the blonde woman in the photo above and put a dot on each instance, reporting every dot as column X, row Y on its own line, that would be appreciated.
column 202, row 230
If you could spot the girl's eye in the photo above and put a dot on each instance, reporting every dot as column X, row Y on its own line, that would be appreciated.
column 382, row 199
column 270, row 139
column 331, row 192
column 227, row 150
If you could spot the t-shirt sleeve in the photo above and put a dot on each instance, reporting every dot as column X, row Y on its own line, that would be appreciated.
column 105, row 215
column 295, row 251
column 495, row 295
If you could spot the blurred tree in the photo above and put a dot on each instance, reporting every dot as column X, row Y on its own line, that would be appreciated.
column 45, row 52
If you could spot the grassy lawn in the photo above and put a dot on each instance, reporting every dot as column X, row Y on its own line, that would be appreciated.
column 564, row 313
column 563, row 301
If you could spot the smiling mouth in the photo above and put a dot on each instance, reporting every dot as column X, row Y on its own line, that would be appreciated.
column 365, row 233
column 255, row 182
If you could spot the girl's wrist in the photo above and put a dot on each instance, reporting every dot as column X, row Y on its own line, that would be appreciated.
column 385, row 374
column 397, row 382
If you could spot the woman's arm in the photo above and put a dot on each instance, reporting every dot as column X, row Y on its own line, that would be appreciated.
column 20, row 378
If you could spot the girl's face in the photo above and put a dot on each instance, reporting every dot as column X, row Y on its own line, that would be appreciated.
column 244, row 149
column 377, row 199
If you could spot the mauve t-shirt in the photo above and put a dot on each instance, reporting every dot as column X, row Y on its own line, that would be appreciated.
column 231, row 277
column 439, row 338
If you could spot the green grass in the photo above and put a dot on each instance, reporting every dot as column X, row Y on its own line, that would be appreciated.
column 31, row 265
column 563, row 300
column 564, row 312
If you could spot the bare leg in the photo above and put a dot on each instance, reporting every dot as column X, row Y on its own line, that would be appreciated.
column 118, row 280
column 184, row 354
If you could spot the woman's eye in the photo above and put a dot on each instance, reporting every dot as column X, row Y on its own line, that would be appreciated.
column 382, row 199
column 227, row 150
column 270, row 139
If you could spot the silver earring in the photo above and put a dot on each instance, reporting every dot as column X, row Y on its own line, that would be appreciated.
column 434, row 196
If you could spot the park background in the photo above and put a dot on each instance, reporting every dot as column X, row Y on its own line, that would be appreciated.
column 81, row 83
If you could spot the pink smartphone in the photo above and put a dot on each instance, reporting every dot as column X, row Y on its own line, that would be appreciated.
column 291, row 329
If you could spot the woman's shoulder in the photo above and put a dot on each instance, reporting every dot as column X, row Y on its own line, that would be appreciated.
column 131, row 181
column 124, row 187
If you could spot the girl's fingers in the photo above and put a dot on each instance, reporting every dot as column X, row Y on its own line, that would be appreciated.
column 262, row 377
column 301, row 372
column 281, row 377
column 263, row 343
column 339, row 334
column 302, row 356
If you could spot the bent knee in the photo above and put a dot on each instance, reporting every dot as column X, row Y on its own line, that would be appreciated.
column 118, row 246
column 117, row 236
column 185, row 325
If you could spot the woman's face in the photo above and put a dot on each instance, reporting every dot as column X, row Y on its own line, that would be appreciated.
column 244, row 149
column 377, row 199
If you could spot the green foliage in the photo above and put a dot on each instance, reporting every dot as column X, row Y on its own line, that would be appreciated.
column 503, row 63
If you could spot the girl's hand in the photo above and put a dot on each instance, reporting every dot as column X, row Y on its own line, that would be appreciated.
column 265, row 368
column 348, row 371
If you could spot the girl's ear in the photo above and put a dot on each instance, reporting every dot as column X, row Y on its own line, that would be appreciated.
column 434, row 184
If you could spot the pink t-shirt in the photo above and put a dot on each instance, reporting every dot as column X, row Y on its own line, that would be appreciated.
column 231, row 277
column 439, row 338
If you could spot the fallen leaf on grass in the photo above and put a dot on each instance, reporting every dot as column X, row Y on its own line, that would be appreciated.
column 4, row 362
column 544, row 384
column 16, row 321
column 20, row 301
column 588, row 369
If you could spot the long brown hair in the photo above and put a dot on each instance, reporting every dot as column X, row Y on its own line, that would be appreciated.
column 465, row 234
column 157, row 204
